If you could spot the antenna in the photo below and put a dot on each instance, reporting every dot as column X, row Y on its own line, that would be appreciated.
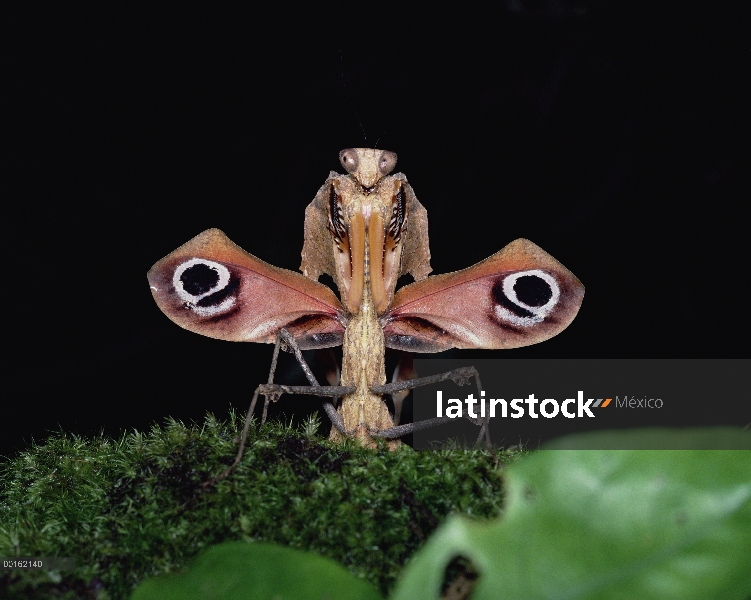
column 380, row 136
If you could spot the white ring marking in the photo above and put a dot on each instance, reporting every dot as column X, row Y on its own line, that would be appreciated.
column 191, row 300
column 538, row 312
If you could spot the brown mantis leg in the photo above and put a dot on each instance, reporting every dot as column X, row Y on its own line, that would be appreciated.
column 314, row 389
column 272, row 391
column 275, row 390
column 244, row 435
column 459, row 376
column 267, row 398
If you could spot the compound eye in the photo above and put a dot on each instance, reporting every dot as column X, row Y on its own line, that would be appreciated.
column 525, row 298
column 349, row 160
column 386, row 162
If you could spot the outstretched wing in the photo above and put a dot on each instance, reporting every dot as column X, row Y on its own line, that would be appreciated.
column 213, row 287
column 517, row 297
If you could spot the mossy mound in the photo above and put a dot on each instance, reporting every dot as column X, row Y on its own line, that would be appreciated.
column 132, row 508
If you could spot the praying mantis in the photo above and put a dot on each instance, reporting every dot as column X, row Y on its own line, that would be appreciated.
column 365, row 229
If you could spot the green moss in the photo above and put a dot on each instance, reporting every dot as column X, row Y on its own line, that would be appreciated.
column 131, row 508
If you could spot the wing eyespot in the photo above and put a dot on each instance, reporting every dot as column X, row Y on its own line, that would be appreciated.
column 525, row 298
column 206, row 287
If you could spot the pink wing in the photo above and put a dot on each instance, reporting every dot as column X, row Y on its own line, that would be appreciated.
column 517, row 297
column 213, row 287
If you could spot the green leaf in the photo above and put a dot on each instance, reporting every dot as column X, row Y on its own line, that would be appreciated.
column 656, row 438
column 614, row 524
column 258, row 571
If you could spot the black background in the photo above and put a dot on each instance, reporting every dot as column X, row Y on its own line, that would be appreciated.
column 614, row 135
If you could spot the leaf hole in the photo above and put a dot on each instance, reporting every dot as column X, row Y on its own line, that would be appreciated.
column 459, row 579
